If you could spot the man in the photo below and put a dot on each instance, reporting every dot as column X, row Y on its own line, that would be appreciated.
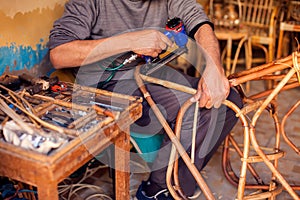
column 97, row 34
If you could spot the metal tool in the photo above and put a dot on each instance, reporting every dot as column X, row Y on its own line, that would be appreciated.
column 37, row 84
column 59, row 87
column 175, row 31
column 107, row 106
column 149, row 68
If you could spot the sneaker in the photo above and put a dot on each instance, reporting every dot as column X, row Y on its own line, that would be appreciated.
column 196, row 194
column 161, row 195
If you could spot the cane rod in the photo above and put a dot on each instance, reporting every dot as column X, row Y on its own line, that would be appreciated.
column 284, row 135
column 266, row 69
column 173, row 161
column 175, row 141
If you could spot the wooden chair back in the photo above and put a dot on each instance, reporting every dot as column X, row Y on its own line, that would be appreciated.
column 256, row 13
column 259, row 18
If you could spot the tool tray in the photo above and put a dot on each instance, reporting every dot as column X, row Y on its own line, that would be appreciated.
column 52, row 121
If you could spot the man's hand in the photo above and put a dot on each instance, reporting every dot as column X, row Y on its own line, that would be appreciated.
column 213, row 87
column 148, row 42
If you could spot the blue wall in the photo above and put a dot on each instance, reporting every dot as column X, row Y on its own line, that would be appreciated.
column 16, row 57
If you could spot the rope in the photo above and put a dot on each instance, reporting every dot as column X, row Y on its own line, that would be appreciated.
column 68, row 190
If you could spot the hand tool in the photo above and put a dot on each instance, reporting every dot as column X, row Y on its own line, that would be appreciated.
column 175, row 31
column 59, row 87
column 36, row 85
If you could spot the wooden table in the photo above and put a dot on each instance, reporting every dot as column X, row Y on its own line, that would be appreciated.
column 46, row 171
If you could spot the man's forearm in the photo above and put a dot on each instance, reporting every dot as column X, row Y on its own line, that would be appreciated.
column 206, row 38
column 82, row 52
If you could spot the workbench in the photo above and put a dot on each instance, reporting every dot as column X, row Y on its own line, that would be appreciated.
column 46, row 171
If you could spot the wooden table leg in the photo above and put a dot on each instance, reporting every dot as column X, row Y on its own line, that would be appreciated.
column 122, row 171
column 47, row 190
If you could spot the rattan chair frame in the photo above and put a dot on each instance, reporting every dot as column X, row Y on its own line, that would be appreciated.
column 256, row 104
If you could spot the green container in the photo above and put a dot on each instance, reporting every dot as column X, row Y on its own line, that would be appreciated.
column 148, row 144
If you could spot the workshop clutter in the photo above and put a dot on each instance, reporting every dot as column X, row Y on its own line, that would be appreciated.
column 12, row 190
column 42, row 114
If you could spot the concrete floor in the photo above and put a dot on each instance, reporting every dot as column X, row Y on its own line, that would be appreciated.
column 221, row 188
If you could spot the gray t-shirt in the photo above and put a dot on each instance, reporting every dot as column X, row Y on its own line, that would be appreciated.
column 95, row 19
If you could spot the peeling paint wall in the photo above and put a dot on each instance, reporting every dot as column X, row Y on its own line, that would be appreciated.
column 24, row 31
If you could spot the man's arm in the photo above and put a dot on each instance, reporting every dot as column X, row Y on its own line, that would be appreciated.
column 206, row 38
column 82, row 52
column 213, row 87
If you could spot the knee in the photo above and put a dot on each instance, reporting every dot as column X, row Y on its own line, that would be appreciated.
column 235, row 98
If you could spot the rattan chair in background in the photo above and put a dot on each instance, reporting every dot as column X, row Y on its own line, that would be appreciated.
column 289, row 27
column 255, row 28
column 258, row 18
column 226, row 16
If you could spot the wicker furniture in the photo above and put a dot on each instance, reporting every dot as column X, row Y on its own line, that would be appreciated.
column 256, row 24
column 226, row 17
column 258, row 18
column 291, row 24
column 286, row 26
column 231, row 36
column 249, row 116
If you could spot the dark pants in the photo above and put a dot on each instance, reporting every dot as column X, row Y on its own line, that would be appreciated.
column 212, row 127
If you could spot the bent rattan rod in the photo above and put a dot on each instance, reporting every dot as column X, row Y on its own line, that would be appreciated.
column 199, row 179
column 253, row 73
column 173, row 164
column 228, row 171
column 285, row 137
column 286, row 60
column 227, row 103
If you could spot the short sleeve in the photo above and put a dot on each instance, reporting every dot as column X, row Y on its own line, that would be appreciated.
column 75, row 24
column 191, row 13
